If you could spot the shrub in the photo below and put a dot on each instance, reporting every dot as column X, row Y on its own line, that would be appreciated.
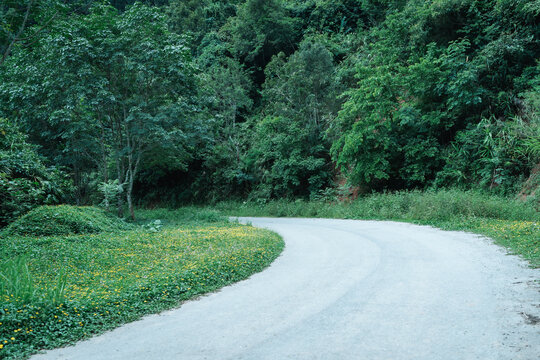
column 65, row 220
column 25, row 180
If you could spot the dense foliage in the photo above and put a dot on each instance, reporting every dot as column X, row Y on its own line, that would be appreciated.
column 440, row 75
column 25, row 180
column 171, row 101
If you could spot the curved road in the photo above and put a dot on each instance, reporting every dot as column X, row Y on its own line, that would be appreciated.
column 346, row 289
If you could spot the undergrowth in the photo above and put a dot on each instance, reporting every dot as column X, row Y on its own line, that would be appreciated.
column 511, row 222
column 441, row 205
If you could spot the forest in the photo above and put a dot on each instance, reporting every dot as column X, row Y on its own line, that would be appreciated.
column 171, row 102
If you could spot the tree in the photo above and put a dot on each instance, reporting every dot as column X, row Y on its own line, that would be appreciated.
column 225, row 91
column 18, row 16
column 107, row 85
column 261, row 29
column 288, row 147
column 200, row 17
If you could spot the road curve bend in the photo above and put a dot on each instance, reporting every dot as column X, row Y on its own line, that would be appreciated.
column 349, row 289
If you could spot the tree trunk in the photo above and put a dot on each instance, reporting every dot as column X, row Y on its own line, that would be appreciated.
column 16, row 37
column 120, row 159
column 104, row 154
column 130, row 203
column 129, row 193
column 120, row 174
column 77, row 182
column 133, row 167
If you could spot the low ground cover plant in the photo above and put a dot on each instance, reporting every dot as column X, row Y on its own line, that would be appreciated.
column 81, row 284
column 511, row 222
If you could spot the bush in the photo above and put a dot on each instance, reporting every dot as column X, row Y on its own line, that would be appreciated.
column 25, row 180
column 65, row 220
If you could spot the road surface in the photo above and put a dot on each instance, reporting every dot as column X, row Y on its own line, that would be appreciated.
column 346, row 289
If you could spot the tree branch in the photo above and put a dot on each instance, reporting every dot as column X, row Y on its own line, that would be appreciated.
column 21, row 29
column 40, row 29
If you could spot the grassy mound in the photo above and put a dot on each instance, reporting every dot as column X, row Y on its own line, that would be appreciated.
column 65, row 220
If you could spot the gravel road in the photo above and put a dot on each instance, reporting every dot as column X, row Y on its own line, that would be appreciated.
column 347, row 289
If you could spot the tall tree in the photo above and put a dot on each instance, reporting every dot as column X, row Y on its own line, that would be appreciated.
column 107, row 85
column 289, row 149
column 22, row 21
column 260, row 30
column 226, row 88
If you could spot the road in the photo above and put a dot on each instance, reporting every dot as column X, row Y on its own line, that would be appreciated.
column 346, row 289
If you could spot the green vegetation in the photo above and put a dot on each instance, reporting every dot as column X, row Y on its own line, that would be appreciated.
column 65, row 220
column 440, row 205
column 25, row 180
column 263, row 107
column 170, row 102
column 510, row 222
column 60, row 289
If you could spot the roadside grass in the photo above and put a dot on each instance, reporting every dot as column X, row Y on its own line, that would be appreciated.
column 181, row 216
column 511, row 223
column 75, row 286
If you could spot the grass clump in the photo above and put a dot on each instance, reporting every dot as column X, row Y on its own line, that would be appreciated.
column 16, row 282
column 181, row 216
column 65, row 220
column 114, row 278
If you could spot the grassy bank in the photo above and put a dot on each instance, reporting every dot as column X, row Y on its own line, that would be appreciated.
column 65, row 288
column 512, row 223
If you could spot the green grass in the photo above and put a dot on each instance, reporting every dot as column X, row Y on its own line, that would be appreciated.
column 84, row 284
column 512, row 223
column 65, row 220
column 181, row 216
